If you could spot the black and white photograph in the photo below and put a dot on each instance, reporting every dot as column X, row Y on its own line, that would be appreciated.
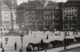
column 39, row 26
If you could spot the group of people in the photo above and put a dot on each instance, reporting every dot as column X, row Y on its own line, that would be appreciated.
column 15, row 46
column 6, row 41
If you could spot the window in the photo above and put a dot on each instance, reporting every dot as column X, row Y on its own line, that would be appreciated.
column 64, row 8
column 65, row 18
column 72, row 13
column 69, row 8
column 74, row 17
column 75, row 12
column 64, row 13
column 42, row 12
column 51, row 17
column 70, row 18
column 67, row 13
column 75, row 8
column 6, row 22
column 72, row 8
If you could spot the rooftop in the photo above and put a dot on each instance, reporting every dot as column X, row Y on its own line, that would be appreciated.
column 72, row 4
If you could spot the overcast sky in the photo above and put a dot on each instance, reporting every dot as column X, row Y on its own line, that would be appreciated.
column 21, row 1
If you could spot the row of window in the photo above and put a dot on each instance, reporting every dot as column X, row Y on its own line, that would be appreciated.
column 46, row 12
column 48, row 17
column 30, row 18
column 30, row 14
column 70, row 18
column 70, row 13
column 49, row 12
column 70, row 8
column 41, row 17
column 47, row 23
column 6, row 22
column 30, row 23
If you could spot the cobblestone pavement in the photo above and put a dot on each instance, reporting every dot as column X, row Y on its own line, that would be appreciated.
column 77, row 49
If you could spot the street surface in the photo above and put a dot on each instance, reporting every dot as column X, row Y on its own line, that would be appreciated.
column 33, row 37
column 73, row 50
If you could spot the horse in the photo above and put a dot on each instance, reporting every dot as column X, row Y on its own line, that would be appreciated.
column 77, row 39
column 44, row 45
column 35, row 45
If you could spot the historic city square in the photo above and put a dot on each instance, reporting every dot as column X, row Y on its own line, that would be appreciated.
column 39, row 26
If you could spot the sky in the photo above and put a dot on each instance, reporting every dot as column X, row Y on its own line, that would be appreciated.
column 21, row 1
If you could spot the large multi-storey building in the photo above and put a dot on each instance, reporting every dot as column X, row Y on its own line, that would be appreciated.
column 71, row 15
column 5, row 16
column 40, row 17
column 7, row 13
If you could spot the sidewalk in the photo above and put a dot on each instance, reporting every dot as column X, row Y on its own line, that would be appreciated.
column 62, row 48
column 0, row 49
column 52, row 50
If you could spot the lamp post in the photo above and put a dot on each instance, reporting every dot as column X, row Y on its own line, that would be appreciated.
column 1, row 39
column 21, row 41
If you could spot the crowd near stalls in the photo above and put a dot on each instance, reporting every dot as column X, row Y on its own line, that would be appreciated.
column 46, row 40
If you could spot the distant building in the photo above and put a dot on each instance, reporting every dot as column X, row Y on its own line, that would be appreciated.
column 20, row 17
column 71, row 12
column 5, row 16
column 12, row 4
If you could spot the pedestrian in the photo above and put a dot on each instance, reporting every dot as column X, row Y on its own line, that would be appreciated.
column 47, row 36
column 3, row 50
column 6, row 40
column 20, row 50
column 1, row 45
column 41, row 41
column 65, row 43
column 15, row 46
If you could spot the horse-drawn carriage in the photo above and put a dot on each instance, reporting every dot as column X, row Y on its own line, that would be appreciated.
column 52, row 41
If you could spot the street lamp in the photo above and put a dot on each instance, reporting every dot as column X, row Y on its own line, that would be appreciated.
column 21, row 41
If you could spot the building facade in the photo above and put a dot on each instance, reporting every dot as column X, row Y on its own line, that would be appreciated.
column 38, row 17
column 70, row 15
column 20, row 15
column 12, row 4
column 5, row 16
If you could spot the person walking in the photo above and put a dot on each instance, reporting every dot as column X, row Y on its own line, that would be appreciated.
column 3, row 50
column 6, row 40
column 20, row 50
column 15, row 46
column 1, row 45
column 47, row 36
